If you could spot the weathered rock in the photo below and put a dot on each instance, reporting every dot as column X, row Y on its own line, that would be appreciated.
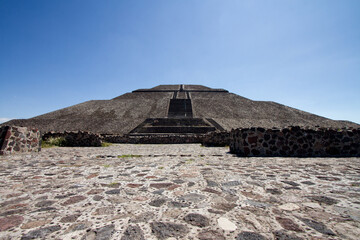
column 157, row 202
column 160, row 185
column 231, row 183
column 143, row 217
column 282, row 235
column 210, row 235
column 114, row 191
column 103, row 233
column 34, row 224
column 163, row 230
column 289, row 207
column 133, row 232
column 10, row 222
column 225, row 206
column 70, row 218
column 318, row 226
column 45, row 203
column 41, row 232
column 73, row 200
column 104, row 211
column 175, row 204
column 226, row 224
column 196, row 219
column 324, row 200
column 15, row 139
column 249, row 236
column 288, row 224
column 274, row 191
column 192, row 197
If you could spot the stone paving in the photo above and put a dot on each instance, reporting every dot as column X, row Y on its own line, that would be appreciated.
column 176, row 192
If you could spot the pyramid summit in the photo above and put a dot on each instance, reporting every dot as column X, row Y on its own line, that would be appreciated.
column 174, row 109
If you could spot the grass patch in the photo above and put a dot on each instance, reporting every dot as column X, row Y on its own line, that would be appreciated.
column 107, row 166
column 53, row 142
column 113, row 184
column 188, row 161
column 106, row 144
column 355, row 184
column 128, row 156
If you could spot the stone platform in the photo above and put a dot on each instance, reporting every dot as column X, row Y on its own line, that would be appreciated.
column 176, row 192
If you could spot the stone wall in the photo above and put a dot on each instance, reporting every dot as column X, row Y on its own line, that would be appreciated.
column 216, row 139
column 211, row 139
column 295, row 142
column 76, row 139
column 15, row 139
column 155, row 139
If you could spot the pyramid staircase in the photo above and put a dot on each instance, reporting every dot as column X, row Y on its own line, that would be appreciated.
column 180, row 119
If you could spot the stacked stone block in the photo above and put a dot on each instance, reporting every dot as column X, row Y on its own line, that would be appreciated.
column 295, row 142
column 18, row 139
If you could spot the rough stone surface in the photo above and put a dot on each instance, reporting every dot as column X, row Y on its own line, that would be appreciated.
column 133, row 232
column 163, row 230
column 296, row 142
column 318, row 226
column 288, row 224
column 10, row 222
column 103, row 233
column 196, row 219
column 226, row 224
column 249, row 236
column 41, row 232
column 35, row 186
column 14, row 139
column 210, row 235
column 123, row 113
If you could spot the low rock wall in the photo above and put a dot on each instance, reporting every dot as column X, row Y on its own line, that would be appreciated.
column 76, row 139
column 210, row 139
column 295, row 142
column 216, row 139
column 15, row 139
column 155, row 139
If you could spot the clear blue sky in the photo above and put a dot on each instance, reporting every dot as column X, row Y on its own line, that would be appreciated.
column 304, row 54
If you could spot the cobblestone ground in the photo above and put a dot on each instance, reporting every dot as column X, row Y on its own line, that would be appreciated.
column 176, row 192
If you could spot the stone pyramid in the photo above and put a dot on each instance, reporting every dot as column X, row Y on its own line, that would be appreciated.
column 177, row 109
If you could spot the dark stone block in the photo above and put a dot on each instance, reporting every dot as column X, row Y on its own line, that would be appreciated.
column 249, row 236
column 41, row 232
column 163, row 230
column 255, row 152
column 267, row 137
column 318, row 226
column 197, row 220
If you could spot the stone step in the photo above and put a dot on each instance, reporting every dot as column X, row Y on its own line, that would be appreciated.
column 174, row 125
column 174, row 129
column 180, row 108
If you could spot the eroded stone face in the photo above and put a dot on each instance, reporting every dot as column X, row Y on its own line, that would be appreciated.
column 18, row 140
column 296, row 142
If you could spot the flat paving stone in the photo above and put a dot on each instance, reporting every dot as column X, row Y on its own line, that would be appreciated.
column 176, row 191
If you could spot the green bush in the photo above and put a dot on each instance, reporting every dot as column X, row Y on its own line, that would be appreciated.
column 53, row 142
column 106, row 144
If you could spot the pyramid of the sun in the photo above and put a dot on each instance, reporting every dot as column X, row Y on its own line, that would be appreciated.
column 174, row 109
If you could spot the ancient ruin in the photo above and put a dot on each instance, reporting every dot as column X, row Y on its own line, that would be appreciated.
column 174, row 109
column 169, row 114
column 144, row 191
